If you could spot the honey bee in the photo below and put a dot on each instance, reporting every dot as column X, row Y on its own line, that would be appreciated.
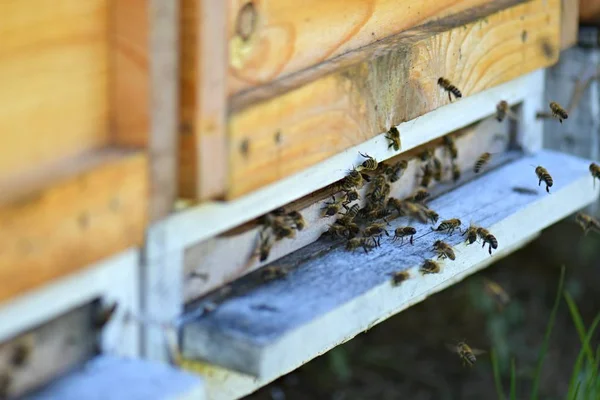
column 430, row 267
column 426, row 155
column 351, row 213
column 378, row 213
column 264, row 246
column 283, row 231
column 376, row 230
column 104, row 315
column 595, row 171
column 338, row 230
column 395, row 171
column 366, row 243
column 466, row 353
column 430, row 215
column 451, row 147
column 455, row 172
column 273, row 272
column 450, row 88
column 427, row 176
column 448, row 225
column 488, row 238
column 354, row 180
column 22, row 351
column 402, row 232
column 370, row 164
column 482, row 161
column 558, row 112
column 394, row 137
column 407, row 208
column 399, row 277
column 333, row 207
column 501, row 109
column 587, row 222
column 543, row 175
column 444, row 250
column 350, row 196
column 497, row 293
column 297, row 220
column 471, row 233
column 437, row 168
column 420, row 195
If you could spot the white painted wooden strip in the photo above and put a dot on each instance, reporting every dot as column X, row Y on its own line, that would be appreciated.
column 330, row 298
column 208, row 219
column 114, row 378
column 115, row 279
column 224, row 384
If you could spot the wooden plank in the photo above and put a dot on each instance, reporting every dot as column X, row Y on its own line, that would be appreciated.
column 198, row 223
column 203, row 98
column 124, row 379
column 569, row 27
column 94, row 210
column 277, row 138
column 222, row 259
column 331, row 295
column 282, row 40
column 55, row 348
column 589, row 12
column 54, row 76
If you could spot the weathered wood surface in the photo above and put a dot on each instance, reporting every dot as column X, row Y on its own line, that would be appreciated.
column 55, row 347
column 206, row 220
column 569, row 27
column 277, row 138
column 54, row 75
column 203, row 98
column 114, row 378
column 94, row 207
column 269, row 40
column 331, row 295
column 222, row 259
column 589, row 11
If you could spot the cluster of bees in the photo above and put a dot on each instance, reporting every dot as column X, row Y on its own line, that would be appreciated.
column 277, row 225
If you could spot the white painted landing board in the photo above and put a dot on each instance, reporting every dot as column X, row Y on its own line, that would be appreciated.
column 330, row 298
column 114, row 378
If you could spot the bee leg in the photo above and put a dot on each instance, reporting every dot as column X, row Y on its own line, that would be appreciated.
column 411, row 239
column 490, row 249
column 449, row 96
column 540, row 182
column 547, row 188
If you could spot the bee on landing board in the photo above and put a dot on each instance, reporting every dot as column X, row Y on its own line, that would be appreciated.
column 466, row 353
column 350, row 196
column 543, row 175
column 427, row 175
column 444, row 250
column 402, row 232
column 488, row 238
column 448, row 225
column 450, row 88
column 482, row 161
column 595, row 171
column 354, row 180
column 366, row 243
column 393, row 135
column 399, row 277
column 451, row 147
column 558, row 112
column 430, row 267
column 455, row 172
column 394, row 172
column 370, row 164
column 437, row 168
column 333, row 207
column 420, row 195
column 471, row 233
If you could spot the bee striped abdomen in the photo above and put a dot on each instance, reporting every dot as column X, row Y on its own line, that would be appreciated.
column 449, row 87
column 558, row 111
column 543, row 175
column 481, row 162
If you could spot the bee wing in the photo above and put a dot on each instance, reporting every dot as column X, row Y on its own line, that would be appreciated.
column 478, row 352
column 452, row 348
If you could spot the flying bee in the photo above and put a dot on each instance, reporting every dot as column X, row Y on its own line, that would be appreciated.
column 455, row 172
column 333, row 207
column 450, row 88
column 587, row 222
column 451, row 147
column 466, row 353
column 350, row 196
column 488, row 238
column 501, row 109
column 420, row 195
column 558, row 112
column 402, row 232
column 264, row 246
column 427, row 175
column 399, row 277
column 430, row 267
column 354, row 180
column 497, row 293
column 471, row 233
column 595, row 171
column 104, row 315
column 370, row 164
column 482, row 161
column 393, row 135
column 366, row 243
column 426, row 155
column 444, row 250
column 395, row 171
column 448, row 225
column 297, row 219
column 543, row 175
column 273, row 272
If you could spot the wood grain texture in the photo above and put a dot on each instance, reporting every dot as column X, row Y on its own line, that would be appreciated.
column 203, row 98
column 288, row 36
column 222, row 259
column 569, row 27
column 88, row 213
column 57, row 347
column 124, row 379
column 54, row 75
column 320, row 119
column 331, row 295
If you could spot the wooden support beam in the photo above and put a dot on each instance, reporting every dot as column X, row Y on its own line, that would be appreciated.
column 330, row 295
column 569, row 26
column 85, row 210
column 282, row 136
column 124, row 379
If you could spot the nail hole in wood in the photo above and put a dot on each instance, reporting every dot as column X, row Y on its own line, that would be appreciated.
column 246, row 21
column 83, row 220
column 524, row 36
column 245, row 147
column 278, row 137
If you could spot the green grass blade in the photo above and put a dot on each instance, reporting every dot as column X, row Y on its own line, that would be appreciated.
column 497, row 379
column 513, row 380
column 578, row 321
column 538, row 370
column 574, row 397
column 579, row 362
